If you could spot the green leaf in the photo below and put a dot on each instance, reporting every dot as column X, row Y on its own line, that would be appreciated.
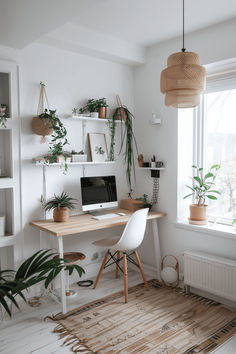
column 208, row 175
column 211, row 197
column 213, row 191
column 194, row 166
column 200, row 169
column 216, row 166
column 190, row 188
column 198, row 179
column 234, row 222
column 188, row 195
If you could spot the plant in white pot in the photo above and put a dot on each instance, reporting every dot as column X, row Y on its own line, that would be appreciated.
column 203, row 187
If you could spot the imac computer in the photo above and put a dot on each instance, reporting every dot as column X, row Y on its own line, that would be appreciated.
column 98, row 193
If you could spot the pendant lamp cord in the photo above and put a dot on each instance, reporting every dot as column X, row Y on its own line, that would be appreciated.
column 183, row 49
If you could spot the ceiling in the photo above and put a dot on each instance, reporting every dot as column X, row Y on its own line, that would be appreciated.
column 145, row 22
column 131, row 23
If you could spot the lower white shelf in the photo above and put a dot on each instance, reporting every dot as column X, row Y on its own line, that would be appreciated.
column 7, row 240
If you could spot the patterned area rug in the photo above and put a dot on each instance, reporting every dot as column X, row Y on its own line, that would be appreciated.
column 161, row 320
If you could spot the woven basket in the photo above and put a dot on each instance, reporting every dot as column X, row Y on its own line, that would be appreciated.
column 61, row 214
column 42, row 126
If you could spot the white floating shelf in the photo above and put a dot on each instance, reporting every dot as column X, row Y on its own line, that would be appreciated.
column 6, row 241
column 88, row 163
column 152, row 168
column 100, row 120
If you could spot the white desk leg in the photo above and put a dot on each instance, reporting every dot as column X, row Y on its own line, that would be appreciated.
column 62, row 274
column 157, row 248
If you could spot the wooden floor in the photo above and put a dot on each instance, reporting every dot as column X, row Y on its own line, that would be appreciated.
column 28, row 333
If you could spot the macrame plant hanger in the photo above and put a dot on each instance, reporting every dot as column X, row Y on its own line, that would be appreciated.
column 41, row 106
column 42, row 126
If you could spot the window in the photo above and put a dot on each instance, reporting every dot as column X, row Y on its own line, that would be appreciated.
column 214, row 141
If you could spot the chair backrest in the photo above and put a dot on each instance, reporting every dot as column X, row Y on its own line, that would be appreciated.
column 133, row 233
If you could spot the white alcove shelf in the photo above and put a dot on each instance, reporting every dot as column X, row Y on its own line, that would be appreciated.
column 6, row 208
column 5, row 153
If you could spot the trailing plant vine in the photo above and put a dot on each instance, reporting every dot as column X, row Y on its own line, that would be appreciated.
column 129, row 141
column 59, row 139
column 112, row 127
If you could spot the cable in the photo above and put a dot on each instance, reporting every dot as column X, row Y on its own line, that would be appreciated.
column 183, row 49
column 155, row 191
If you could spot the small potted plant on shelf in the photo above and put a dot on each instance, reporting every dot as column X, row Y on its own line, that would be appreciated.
column 78, row 156
column 102, row 107
column 203, row 187
column 96, row 108
column 60, row 204
column 153, row 161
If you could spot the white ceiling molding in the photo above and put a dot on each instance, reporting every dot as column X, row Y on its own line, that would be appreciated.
column 85, row 41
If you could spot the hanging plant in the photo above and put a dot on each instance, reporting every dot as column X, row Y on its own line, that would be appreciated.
column 59, row 139
column 112, row 127
column 129, row 141
column 41, row 126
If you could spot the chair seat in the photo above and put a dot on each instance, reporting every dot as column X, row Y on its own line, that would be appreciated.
column 106, row 242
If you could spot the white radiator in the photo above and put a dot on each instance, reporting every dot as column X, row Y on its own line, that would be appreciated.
column 211, row 273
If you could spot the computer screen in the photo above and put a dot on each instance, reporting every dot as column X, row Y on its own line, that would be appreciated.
column 98, row 192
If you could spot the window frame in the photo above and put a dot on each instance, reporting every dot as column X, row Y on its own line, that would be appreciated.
column 219, row 81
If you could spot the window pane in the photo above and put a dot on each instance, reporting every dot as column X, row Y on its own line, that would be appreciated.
column 221, row 148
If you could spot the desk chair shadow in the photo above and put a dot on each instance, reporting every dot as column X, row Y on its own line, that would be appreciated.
column 131, row 239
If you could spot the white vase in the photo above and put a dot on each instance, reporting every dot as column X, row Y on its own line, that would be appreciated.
column 153, row 164
column 79, row 158
column 2, row 225
column 94, row 115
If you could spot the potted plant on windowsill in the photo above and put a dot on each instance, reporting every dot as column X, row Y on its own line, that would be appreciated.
column 60, row 204
column 203, row 187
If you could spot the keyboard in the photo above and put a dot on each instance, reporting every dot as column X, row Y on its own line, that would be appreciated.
column 105, row 216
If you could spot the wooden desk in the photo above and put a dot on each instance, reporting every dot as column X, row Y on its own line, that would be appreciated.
column 85, row 223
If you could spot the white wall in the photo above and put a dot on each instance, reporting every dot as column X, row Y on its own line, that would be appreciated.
column 213, row 44
column 70, row 80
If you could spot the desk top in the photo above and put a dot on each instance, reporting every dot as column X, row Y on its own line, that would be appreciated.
column 84, row 223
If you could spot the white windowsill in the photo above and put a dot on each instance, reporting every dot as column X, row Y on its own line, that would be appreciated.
column 217, row 230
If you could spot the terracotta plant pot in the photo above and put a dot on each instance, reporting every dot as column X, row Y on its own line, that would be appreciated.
column 61, row 214
column 42, row 126
column 198, row 214
column 102, row 111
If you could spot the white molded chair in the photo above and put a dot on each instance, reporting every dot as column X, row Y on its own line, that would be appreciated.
column 131, row 239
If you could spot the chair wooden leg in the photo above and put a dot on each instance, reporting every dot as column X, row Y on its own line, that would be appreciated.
column 101, row 269
column 125, row 276
column 117, row 268
column 141, row 270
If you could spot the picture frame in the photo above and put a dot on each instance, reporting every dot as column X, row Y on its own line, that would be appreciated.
column 98, row 147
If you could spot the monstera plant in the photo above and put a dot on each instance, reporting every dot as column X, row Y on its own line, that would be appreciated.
column 41, row 267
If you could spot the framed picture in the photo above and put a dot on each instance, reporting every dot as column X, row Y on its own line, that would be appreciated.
column 98, row 147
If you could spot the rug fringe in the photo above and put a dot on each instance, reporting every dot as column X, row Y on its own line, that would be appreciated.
column 77, row 345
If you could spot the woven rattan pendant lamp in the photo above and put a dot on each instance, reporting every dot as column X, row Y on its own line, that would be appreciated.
column 183, row 79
